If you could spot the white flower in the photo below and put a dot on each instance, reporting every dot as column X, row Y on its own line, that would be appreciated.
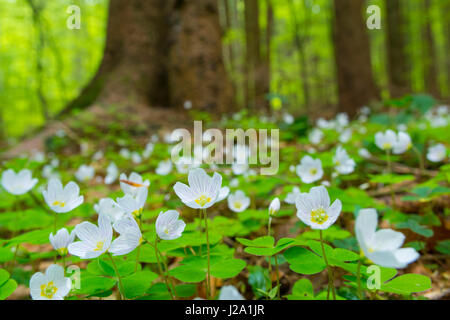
column 112, row 172
column 50, row 286
column 98, row 155
column 49, row 173
column 148, row 150
column 187, row 104
column 314, row 208
column 134, row 204
column 315, row 136
column 94, row 240
column 223, row 193
column 125, row 153
column 324, row 124
column 364, row 153
column 239, row 169
column 382, row 247
column 168, row 227
column 342, row 119
column 403, row 143
column 288, row 118
column 130, row 236
column 202, row 191
column 238, row 202
column 164, row 168
column 18, row 184
column 61, row 240
column 110, row 208
column 291, row 196
column 309, row 169
column 437, row 153
column 234, row 183
column 136, row 157
column 344, row 164
column 230, row 293
column 85, row 173
column 61, row 199
column 345, row 136
column 385, row 140
column 133, row 184
column 274, row 207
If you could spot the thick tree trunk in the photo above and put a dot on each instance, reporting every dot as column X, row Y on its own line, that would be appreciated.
column 398, row 63
column 252, row 52
column 160, row 53
column 356, row 86
column 429, row 54
column 445, row 9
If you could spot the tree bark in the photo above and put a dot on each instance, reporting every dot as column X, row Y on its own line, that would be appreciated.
column 398, row 62
column 160, row 53
column 356, row 86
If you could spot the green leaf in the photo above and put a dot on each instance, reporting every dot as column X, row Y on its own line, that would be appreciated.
column 407, row 284
column 264, row 242
column 90, row 284
column 227, row 268
column 302, row 290
column 6, row 254
column 137, row 284
column 414, row 226
column 443, row 247
column 304, row 261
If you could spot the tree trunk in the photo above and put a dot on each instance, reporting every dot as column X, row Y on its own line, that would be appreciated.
column 429, row 54
column 160, row 53
column 356, row 86
column 398, row 62
column 445, row 9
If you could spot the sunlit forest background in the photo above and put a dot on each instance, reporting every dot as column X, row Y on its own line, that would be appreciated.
column 44, row 65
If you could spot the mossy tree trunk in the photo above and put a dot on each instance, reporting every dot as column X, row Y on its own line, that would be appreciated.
column 161, row 53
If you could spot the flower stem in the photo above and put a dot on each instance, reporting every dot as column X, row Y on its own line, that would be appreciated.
column 208, row 255
column 269, row 225
column 330, row 275
column 278, row 277
column 358, row 277
column 388, row 154
column 118, row 275
column 420, row 158
column 161, row 273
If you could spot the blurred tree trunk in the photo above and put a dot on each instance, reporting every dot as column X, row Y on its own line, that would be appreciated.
column 266, row 65
column 398, row 63
column 252, row 52
column 445, row 10
column 429, row 53
column 356, row 86
column 161, row 53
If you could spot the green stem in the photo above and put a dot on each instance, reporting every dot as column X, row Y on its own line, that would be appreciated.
column 330, row 275
column 358, row 277
column 157, row 254
column 278, row 277
column 421, row 162
column 118, row 275
column 208, row 254
column 200, row 230
column 269, row 225
column 172, row 286
column 388, row 154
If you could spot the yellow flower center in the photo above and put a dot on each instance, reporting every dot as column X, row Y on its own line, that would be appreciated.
column 387, row 145
column 313, row 171
column 62, row 251
column 48, row 290
column 203, row 200
column 237, row 205
column 99, row 246
column 137, row 213
column 59, row 203
column 319, row 216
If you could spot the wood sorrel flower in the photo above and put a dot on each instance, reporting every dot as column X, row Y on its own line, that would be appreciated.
column 61, row 240
column 18, row 184
column 309, row 169
column 238, row 201
column 436, row 153
column 344, row 164
column 314, row 208
column 85, row 173
column 291, row 196
column 50, row 286
column 168, row 226
column 62, row 199
column 132, row 185
column 110, row 208
column 274, row 207
column 202, row 191
column 94, row 240
column 382, row 247
column 130, row 236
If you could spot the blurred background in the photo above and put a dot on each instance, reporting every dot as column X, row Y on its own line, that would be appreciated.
column 302, row 56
